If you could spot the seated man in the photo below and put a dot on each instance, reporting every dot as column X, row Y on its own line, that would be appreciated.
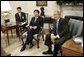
column 35, row 25
column 20, row 18
column 58, row 36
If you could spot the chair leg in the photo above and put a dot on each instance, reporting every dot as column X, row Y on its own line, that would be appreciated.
column 37, row 43
column 43, row 36
column 11, row 33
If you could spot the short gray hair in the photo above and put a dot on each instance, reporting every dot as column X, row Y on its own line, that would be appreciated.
column 58, row 12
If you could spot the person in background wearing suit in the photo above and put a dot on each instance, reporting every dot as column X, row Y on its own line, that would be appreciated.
column 35, row 25
column 58, row 36
column 20, row 18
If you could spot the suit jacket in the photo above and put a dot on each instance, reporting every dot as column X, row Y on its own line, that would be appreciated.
column 63, row 28
column 23, row 17
column 38, row 23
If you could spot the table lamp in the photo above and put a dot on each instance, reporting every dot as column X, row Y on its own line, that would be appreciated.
column 5, row 10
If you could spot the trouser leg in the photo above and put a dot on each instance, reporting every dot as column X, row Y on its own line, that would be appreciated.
column 58, row 43
column 17, row 32
column 30, row 34
column 48, row 41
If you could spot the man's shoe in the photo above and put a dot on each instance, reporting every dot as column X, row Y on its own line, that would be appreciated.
column 54, row 54
column 22, row 49
column 48, row 52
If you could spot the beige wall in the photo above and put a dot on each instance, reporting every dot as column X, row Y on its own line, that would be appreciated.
column 30, row 6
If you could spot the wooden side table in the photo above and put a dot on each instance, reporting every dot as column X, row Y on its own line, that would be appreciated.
column 11, row 27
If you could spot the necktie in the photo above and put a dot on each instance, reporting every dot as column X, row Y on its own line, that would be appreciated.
column 20, row 16
column 36, row 19
column 57, row 27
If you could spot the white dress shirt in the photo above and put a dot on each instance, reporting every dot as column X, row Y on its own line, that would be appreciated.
column 19, row 14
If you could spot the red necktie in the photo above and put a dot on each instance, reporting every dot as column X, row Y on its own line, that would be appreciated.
column 36, row 19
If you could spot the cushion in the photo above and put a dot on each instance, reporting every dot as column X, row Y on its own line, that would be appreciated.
column 25, row 35
column 76, row 27
column 35, row 36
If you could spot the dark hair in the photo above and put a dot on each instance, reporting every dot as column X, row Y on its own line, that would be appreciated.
column 37, row 11
column 19, row 8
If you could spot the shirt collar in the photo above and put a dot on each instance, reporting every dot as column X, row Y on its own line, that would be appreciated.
column 58, row 20
column 19, row 13
column 36, row 17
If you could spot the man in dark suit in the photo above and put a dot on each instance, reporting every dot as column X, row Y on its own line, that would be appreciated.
column 35, row 25
column 20, row 18
column 58, row 36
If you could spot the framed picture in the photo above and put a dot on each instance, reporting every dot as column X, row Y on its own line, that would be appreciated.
column 41, row 3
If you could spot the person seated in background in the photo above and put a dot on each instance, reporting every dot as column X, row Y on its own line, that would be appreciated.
column 58, row 36
column 20, row 18
column 35, row 25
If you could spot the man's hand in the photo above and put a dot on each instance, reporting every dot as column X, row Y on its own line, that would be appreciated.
column 19, row 23
column 53, row 38
column 35, row 27
column 30, row 27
